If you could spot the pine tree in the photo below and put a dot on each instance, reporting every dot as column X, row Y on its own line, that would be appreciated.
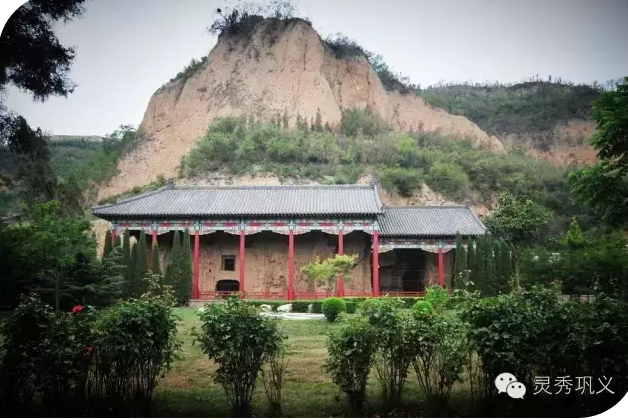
column 118, row 243
column 505, row 267
column 184, row 282
column 126, row 249
column 111, row 285
column 156, row 269
column 472, row 262
column 141, row 266
column 175, row 256
column 318, row 124
column 327, row 127
column 301, row 123
column 108, row 247
column 130, row 273
column 460, row 261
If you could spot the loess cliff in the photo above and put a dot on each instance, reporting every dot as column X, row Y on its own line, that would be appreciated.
column 282, row 67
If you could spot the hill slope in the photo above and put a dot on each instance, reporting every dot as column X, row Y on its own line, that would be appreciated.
column 280, row 69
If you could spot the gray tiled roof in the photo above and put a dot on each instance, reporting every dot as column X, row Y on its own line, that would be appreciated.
column 172, row 201
column 429, row 221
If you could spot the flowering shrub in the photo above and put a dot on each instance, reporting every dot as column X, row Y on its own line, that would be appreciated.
column 45, row 358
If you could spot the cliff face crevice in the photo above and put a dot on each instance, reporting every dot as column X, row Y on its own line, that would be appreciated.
column 281, row 68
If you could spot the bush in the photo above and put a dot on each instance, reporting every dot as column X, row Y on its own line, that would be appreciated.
column 332, row 307
column 422, row 309
column 396, row 345
column 362, row 121
column 442, row 353
column 45, row 359
column 273, row 378
column 351, row 350
column 239, row 341
column 351, row 306
column 300, row 306
column 135, row 343
column 437, row 297
column 403, row 182
column 449, row 179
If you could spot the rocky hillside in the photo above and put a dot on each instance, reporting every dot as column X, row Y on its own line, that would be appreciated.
column 281, row 68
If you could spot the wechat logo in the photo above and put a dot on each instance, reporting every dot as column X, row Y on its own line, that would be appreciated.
column 507, row 383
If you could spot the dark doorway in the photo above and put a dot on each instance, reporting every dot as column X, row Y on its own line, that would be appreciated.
column 411, row 269
column 228, row 285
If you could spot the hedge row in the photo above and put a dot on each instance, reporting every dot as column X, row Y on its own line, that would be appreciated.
column 300, row 306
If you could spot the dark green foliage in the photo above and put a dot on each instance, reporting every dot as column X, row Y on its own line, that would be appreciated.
column 131, row 278
column 343, row 47
column 44, row 359
column 351, row 352
column 532, row 333
column 141, row 266
column 442, row 354
column 605, row 185
column 530, row 107
column 300, row 306
column 118, row 242
column 460, row 263
column 437, row 297
column 179, row 270
column 396, row 346
column 33, row 58
column 110, row 285
column 107, row 247
column 332, row 307
column 239, row 341
column 126, row 248
column 599, row 264
column 134, row 344
column 351, row 306
column 155, row 258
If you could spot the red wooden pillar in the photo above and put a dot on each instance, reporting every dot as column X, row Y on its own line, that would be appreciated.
column 242, row 260
column 197, row 247
column 291, row 266
column 441, row 268
column 340, row 285
column 375, row 263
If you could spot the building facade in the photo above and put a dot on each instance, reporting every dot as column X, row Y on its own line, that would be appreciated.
column 256, row 239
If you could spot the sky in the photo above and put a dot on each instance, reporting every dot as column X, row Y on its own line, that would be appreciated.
column 126, row 49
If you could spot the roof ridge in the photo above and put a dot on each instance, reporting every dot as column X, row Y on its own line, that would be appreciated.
column 142, row 195
column 266, row 187
column 424, row 206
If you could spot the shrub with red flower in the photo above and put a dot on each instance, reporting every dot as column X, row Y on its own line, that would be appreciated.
column 90, row 349
column 77, row 309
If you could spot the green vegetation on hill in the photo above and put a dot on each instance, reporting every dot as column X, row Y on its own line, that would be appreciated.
column 454, row 167
column 531, row 107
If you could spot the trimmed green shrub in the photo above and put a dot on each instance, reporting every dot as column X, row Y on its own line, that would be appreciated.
column 239, row 341
column 437, row 297
column 332, row 307
column 351, row 306
column 351, row 350
column 134, row 344
column 300, row 306
column 422, row 309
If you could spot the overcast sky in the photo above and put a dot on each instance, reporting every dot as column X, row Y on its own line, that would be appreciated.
column 126, row 49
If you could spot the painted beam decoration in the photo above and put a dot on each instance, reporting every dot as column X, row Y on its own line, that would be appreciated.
column 429, row 245
column 234, row 226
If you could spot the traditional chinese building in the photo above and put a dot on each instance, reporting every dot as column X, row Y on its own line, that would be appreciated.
column 255, row 239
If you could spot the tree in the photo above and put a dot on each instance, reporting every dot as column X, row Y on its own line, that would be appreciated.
column 460, row 261
column 156, row 269
column 520, row 222
column 175, row 256
column 141, row 266
column 184, row 282
column 33, row 59
column 318, row 123
column 573, row 238
column 108, row 247
column 126, row 249
column 325, row 272
column 604, row 186
column 110, row 279
column 54, row 244
column 285, row 120
column 131, row 279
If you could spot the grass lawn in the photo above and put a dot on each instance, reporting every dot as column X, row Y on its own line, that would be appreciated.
column 189, row 390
